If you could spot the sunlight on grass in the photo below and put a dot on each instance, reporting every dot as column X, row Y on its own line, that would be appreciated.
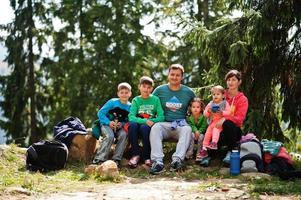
column 275, row 186
column 72, row 178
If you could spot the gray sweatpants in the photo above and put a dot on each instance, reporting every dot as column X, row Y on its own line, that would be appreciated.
column 161, row 131
column 103, row 151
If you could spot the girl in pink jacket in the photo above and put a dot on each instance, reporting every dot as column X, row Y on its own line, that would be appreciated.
column 214, row 111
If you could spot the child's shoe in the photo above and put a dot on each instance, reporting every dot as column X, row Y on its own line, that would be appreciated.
column 148, row 162
column 213, row 145
column 133, row 162
column 201, row 155
column 226, row 160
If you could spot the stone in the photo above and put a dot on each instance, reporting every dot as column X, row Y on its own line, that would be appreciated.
column 108, row 168
column 90, row 169
column 83, row 148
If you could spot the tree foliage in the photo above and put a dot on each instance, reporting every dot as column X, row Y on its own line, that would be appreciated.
column 67, row 57
column 264, row 43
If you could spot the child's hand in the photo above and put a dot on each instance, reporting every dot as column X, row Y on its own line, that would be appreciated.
column 118, row 125
column 209, row 110
column 149, row 123
column 196, row 135
column 219, row 112
column 112, row 125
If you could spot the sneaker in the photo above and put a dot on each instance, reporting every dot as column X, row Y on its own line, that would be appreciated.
column 157, row 168
column 97, row 162
column 213, row 145
column 133, row 162
column 226, row 160
column 148, row 162
column 177, row 165
column 202, row 154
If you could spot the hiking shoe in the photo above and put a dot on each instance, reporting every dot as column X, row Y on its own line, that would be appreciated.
column 213, row 145
column 226, row 160
column 97, row 162
column 157, row 168
column 202, row 154
column 133, row 162
column 177, row 165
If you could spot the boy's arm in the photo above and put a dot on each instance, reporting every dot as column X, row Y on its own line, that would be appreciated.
column 133, row 113
column 102, row 113
column 159, row 112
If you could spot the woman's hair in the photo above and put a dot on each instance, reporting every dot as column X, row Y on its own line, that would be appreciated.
column 232, row 73
column 199, row 100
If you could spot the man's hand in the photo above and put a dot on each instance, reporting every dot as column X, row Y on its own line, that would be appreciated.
column 149, row 123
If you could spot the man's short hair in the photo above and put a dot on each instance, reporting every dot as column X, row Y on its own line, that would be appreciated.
column 124, row 85
column 146, row 80
column 176, row 66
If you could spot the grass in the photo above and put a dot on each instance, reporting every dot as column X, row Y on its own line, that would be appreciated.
column 14, row 174
column 72, row 178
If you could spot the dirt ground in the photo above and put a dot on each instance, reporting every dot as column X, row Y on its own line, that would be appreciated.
column 157, row 188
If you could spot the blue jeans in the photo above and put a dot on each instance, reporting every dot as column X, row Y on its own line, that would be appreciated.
column 139, row 130
column 107, row 135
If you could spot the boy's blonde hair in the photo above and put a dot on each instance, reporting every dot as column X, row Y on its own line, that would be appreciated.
column 124, row 85
column 218, row 88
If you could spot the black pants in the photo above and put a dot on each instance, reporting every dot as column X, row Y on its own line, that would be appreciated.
column 230, row 135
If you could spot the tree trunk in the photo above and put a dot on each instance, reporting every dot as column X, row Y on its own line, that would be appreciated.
column 34, row 136
column 203, row 15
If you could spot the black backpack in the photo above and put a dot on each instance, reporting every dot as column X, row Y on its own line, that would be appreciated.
column 46, row 155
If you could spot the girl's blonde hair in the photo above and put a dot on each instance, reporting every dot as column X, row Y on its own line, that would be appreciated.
column 218, row 88
column 200, row 101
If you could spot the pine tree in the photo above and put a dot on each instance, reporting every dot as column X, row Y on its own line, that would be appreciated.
column 19, row 87
column 265, row 45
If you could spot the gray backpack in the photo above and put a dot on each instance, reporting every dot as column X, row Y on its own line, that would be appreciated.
column 251, row 156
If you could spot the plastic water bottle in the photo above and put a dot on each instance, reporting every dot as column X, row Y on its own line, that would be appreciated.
column 234, row 162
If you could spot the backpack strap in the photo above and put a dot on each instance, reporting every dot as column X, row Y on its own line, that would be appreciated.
column 32, row 153
column 255, row 158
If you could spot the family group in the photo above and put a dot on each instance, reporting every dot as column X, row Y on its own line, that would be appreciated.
column 171, row 111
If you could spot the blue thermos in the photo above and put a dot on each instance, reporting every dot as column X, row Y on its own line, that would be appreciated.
column 234, row 162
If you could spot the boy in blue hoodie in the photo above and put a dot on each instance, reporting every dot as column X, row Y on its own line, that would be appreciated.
column 112, row 117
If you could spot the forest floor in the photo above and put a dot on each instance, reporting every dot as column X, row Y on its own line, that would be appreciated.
column 195, row 182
